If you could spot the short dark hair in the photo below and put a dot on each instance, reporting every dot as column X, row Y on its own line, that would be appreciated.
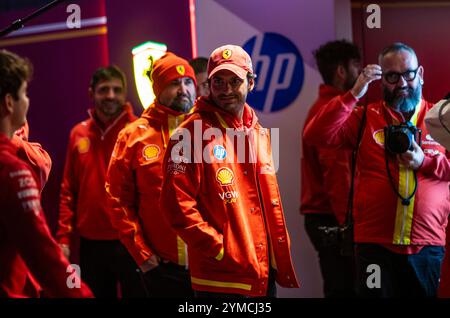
column 332, row 54
column 14, row 70
column 199, row 64
column 394, row 48
column 107, row 74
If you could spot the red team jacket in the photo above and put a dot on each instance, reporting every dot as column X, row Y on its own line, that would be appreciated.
column 33, row 153
column 379, row 215
column 30, row 259
column 83, row 187
column 228, row 213
column 326, row 172
column 134, row 183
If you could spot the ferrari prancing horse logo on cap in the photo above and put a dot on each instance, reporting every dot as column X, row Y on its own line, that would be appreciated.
column 226, row 54
column 181, row 70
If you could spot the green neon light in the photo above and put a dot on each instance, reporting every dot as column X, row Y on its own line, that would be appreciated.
column 149, row 45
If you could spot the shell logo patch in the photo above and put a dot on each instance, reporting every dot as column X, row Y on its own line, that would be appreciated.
column 225, row 176
column 378, row 136
column 181, row 70
column 83, row 145
column 151, row 152
column 226, row 54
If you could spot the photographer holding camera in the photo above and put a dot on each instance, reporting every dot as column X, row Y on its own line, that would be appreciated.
column 401, row 198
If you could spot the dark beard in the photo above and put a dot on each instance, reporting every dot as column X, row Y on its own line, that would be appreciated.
column 182, row 106
column 349, row 82
column 400, row 103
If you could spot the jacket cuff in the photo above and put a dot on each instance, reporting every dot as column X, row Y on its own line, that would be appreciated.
column 349, row 100
column 427, row 165
column 64, row 240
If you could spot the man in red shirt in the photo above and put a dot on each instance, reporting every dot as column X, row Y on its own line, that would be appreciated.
column 30, row 259
column 326, row 172
column 135, row 177
column 84, row 205
column 401, row 204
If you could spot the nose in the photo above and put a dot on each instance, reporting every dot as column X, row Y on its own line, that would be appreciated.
column 111, row 93
column 402, row 82
column 183, row 88
column 227, row 88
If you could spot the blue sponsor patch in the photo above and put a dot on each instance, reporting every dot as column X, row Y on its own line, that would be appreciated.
column 219, row 152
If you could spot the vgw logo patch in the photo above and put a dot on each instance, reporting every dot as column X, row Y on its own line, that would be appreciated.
column 279, row 67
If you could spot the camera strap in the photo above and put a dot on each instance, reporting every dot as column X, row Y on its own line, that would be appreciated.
column 405, row 201
column 349, row 215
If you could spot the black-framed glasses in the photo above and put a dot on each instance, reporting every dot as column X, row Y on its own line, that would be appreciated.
column 394, row 77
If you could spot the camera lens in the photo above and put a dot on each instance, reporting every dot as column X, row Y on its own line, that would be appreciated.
column 399, row 140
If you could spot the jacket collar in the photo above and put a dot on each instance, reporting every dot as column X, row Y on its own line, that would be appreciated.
column 5, row 142
column 328, row 91
column 249, row 118
column 160, row 112
column 127, row 112
column 398, row 117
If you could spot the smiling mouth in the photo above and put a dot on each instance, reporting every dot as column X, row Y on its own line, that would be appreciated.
column 228, row 98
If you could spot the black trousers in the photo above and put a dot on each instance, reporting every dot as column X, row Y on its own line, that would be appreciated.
column 168, row 280
column 106, row 266
column 338, row 271
column 400, row 275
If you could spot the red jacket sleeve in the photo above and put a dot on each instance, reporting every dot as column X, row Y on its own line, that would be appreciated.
column 180, row 190
column 28, row 229
column 335, row 124
column 121, row 187
column 437, row 166
column 34, row 154
column 68, row 197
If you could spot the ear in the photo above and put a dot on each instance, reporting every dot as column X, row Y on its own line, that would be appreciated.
column 91, row 93
column 421, row 71
column 251, row 84
column 341, row 72
column 8, row 101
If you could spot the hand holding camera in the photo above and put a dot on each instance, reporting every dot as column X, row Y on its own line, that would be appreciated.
column 412, row 158
column 401, row 140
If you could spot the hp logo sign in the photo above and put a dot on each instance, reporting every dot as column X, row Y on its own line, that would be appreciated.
column 279, row 67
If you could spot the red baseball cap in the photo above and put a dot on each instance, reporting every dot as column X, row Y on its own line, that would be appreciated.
column 232, row 58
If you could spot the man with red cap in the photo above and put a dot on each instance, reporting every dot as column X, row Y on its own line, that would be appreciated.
column 224, row 201
column 135, row 176
column 30, row 259
column 84, row 205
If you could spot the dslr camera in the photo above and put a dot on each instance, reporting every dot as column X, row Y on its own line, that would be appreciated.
column 398, row 138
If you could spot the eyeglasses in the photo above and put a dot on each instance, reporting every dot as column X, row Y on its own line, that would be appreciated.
column 394, row 77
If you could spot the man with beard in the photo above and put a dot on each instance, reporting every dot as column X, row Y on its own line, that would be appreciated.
column 83, row 200
column 326, row 172
column 224, row 201
column 135, row 177
column 401, row 201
